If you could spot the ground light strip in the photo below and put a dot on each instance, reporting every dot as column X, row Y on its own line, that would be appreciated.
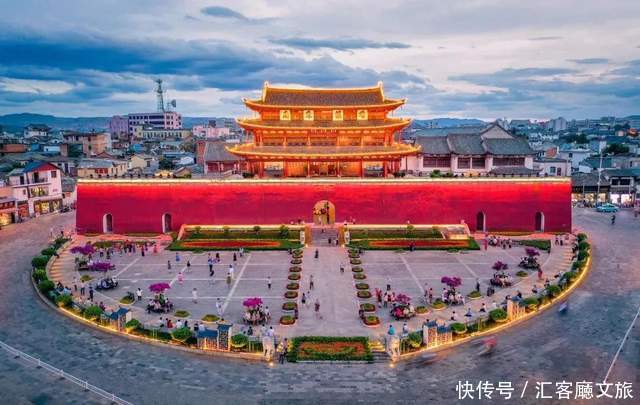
column 505, row 325
column 624, row 339
column 61, row 373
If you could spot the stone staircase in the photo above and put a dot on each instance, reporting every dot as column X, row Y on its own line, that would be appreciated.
column 65, row 261
column 378, row 351
column 320, row 236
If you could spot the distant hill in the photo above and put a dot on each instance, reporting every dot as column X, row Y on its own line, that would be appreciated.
column 446, row 122
column 16, row 122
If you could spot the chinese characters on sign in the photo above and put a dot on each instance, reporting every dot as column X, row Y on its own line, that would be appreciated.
column 544, row 390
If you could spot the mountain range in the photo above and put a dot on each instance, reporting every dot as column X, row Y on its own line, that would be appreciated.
column 16, row 122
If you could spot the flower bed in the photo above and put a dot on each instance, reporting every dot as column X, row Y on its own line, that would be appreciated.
column 287, row 320
column 294, row 276
column 357, row 269
column 421, row 309
column 458, row 328
column 296, row 261
column 364, row 294
column 295, row 269
column 291, row 295
column 181, row 313
column 498, row 315
column 438, row 304
column 356, row 261
column 210, row 318
column 419, row 244
column 362, row 286
column 233, row 244
column 474, row 295
column 371, row 320
column 359, row 276
column 368, row 307
column 289, row 306
column 522, row 273
column 320, row 348
column 293, row 286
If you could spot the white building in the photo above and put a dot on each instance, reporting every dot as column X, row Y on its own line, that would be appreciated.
column 574, row 154
column 208, row 131
column 547, row 166
column 37, row 188
column 32, row 130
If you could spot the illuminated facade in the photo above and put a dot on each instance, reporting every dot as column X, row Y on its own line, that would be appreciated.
column 323, row 133
column 156, row 205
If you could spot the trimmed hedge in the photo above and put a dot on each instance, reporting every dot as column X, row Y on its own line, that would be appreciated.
column 181, row 334
column 64, row 301
column 321, row 356
column 40, row 275
column 93, row 312
column 45, row 286
column 39, row 262
column 498, row 315
column 239, row 341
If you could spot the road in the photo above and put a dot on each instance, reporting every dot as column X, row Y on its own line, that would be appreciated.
column 575, row 347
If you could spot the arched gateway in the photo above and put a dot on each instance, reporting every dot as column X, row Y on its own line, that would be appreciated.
column 324, row 213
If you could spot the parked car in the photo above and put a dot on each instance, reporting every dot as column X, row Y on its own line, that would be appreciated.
column 607, row 207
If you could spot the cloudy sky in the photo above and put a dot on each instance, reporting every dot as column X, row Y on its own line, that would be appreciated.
column 468, row 58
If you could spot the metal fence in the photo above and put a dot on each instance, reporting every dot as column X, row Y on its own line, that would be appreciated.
column 61, row 373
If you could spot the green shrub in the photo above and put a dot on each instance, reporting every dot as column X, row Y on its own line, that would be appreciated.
column 127, row 299
column 458, row 328
column 132, row 325
column 293, row 286
column 64, row 301
column 45, row 286
column 40, row 275
column 362, row 286
column 85, row 278
column 367, row 307
column 438, row 303
column 359, row 276
column 293, row 276
column 578, row 265
column 553, row 290
column 239, row 341
column 415, row 339
column 181, row 334
column 93, row 312
column 421, row 309
column 364, row 294
column 48, row 252
column 287, row 320
column 474, row 294
column 570, row 275
column 210, row 318
column 531, row 303
column 291, row 295
column 357, row 269
column 522, row 273
column 39, row 262
column 181, row 313
column 283, row 231
column 582, row 255
column 581, row 237
column 498, row 315
column 289, row 306
column 256, row 229
column 584, row 245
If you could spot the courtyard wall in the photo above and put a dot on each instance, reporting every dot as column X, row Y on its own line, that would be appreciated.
column 509, row 204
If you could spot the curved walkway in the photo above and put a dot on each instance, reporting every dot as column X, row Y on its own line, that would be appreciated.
column 576, row 347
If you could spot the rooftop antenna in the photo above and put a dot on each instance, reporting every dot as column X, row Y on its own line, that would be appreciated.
column 159, row 98
column 171, row 104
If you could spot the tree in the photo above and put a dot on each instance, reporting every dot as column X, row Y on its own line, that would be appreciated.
column 577, row 138
column 166, row 164
column 616, row 149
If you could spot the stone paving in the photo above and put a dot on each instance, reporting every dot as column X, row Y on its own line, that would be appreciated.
column 409, row 273
column 575, row 347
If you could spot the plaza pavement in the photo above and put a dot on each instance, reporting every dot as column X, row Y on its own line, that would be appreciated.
column 409, row 273
column 575, row 347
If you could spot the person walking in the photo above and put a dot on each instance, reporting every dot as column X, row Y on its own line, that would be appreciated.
column 316, row 254
column 268, row 282
column 75, row 284
column 430, row 295
column 188, row 266
column 477, row 285
column 91, row 293
column 317, row 308
column 194, row 294
column 169, row 265
column 229, row 276
column 210, row 263
column 231, row 271
column 177, row 257
column 613, row 219
column 82, row 288
column 139, row 294
column 304, row 299
column 341, row 268
column 311, row 281
column 219, row 307
column 180, row 278
column 235, row 257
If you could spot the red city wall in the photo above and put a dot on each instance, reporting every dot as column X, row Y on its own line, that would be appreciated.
column 509, row 204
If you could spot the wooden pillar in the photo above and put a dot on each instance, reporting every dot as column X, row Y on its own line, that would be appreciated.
column 384, row 168
column 261, row 169
column 338, row 168
column 361, row 168
column 308, row 168
column 285, row 169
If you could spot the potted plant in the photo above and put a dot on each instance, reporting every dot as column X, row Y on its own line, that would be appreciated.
column 371, row 320
column 295, row 269
column 239, row 340
column 356, row 261
column 362, row 286
column 293, row 286
column 368, row 307
column 357, row 269
column 421, row 310
column 287, row 320
column 296, row 261
column 291, row 295
column 438, row 304
column 474, row 295
column 289, row 306
column 210, row 318
column 359, row 276
column 132, row 325
column 181, row 313
column 294, row 276
column 364, row 294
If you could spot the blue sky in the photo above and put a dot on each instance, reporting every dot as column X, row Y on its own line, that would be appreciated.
column 473, row 58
